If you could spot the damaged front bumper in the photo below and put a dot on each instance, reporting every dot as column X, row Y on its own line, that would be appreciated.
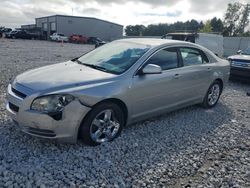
column 63, row 129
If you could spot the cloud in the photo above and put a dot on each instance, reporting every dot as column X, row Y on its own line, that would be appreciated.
column 167, row 14
column 90, row 10
column 121, row 2
column 208, row 6
column 13, row 13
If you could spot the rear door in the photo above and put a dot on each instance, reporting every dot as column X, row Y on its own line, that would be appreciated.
column 196, row 72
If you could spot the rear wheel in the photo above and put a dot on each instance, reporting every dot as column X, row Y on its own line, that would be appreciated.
column 103, row 124
column 212, row 95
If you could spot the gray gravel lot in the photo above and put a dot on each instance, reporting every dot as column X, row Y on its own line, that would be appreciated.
column 191, row 147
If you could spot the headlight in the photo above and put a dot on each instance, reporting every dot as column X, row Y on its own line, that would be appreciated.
column 51, row 103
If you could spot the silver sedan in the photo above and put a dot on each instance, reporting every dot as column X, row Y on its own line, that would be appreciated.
column 94, row 96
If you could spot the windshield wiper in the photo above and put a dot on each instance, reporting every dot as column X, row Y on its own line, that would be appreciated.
column 76, row 60
column 93, row 66
column 89, row 65
column 97, row 67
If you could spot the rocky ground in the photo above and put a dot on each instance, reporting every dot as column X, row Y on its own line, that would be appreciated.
column 192, row 147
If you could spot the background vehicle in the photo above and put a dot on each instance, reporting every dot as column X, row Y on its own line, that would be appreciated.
column 94, row 96
column 21, row 34
column 0, row 31
column 78, row 39
column 96, row 41
column 59, row 37
column 10, row 34
column 4, row 30
column 240, row 65
column 212, row 42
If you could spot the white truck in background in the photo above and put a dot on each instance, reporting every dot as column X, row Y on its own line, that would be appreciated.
column 213, row 42
column 59, row 37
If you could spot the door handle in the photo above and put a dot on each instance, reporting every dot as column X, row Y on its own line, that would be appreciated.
column 209, row 69
column 176, row 76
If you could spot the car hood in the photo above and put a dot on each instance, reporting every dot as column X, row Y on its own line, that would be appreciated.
column 240, row 57
column 61, row 76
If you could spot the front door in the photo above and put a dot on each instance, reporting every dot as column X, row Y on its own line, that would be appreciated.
column 152, row 93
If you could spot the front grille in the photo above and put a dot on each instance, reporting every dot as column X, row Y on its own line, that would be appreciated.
column 40, row 132
column 13, row 107
column 242, row 60
column 18, row 93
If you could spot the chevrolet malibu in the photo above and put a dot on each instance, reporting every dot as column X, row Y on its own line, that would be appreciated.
column 94, row 96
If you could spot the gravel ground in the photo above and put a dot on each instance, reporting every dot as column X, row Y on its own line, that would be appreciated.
column 191, row 147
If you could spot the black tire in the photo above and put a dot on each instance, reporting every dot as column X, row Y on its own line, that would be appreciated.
column 85, row 128
column 206, row 103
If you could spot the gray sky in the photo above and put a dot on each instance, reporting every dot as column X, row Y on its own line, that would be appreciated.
column 13, row 13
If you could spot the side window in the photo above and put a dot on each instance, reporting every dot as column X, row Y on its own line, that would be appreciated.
column 166, row 59
column 191, row 56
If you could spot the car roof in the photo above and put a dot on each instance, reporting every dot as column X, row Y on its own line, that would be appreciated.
column 181, row 34
column 155, row 42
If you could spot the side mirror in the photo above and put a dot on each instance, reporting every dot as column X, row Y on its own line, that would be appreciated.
column 239, row 52
column 152, row 69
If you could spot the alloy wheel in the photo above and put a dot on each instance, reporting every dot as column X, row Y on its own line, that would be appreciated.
column 104, row 127
column 214, row 94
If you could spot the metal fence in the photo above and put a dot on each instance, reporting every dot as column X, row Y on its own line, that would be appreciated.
column 233, row 44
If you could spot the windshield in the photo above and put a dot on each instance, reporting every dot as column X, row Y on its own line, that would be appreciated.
column 246, row 51
column 115, row 57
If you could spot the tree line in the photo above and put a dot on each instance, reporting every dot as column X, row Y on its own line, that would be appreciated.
column 236, row 20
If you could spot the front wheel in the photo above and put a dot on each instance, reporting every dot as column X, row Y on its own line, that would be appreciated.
column 212, row 95
column 103, row 124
